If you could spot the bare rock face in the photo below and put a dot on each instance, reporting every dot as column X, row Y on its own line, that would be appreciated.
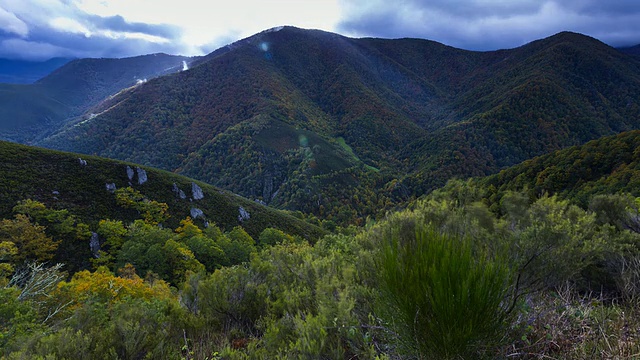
column 243, row 214
column 179, row 193
column 197, row 213
column 197, row 192
column 142, row 176
column 130, row 172
column 94, row 244
column 110, row 187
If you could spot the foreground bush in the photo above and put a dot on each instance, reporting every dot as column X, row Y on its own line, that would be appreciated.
column 445, row 298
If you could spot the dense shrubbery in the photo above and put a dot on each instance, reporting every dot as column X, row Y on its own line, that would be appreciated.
column 447, row 279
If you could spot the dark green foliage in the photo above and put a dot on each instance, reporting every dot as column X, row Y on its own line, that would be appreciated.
column 237, row 246
column 446, row 299
column 439, row 281
column 76, row 193
column 270, row 236
column 621, row 210
column 605, row 166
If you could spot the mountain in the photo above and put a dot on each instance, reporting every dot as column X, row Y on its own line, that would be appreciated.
column 27, row 72
column 631, row 50
column 31, row 111
column 345, row 128
column 544, row 96
column 604, row 166
column 80, row 184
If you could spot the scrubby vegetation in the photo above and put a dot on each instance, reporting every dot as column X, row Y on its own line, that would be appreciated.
column 447, row 279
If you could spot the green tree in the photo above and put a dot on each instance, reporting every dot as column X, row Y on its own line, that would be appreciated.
column 152, row 211
column 271, row 236
column 237, row 245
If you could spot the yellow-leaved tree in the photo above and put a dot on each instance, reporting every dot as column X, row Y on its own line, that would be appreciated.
column 29, row 240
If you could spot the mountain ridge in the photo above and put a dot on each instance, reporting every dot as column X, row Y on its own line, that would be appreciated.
column 29, row 112
column 27, row 72
column 412, row 112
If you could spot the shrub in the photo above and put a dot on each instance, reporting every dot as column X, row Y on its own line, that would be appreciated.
column 444, row 297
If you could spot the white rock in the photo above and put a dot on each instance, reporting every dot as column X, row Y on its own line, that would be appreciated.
column 197, row 192
column 130, row 172
column 142, row 176
column 179, row 193
column 197, row 213
column 243, row 214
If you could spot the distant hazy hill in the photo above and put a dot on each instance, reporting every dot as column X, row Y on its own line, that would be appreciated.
column 632, row 50
column 79, row 183
column 344, row 127
column 31, row 111
column 27, row 72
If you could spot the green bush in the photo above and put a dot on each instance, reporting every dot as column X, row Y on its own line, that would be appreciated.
column 444, row 297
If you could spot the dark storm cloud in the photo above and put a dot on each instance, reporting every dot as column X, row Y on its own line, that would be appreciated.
column 493, row 24
column 41, row 30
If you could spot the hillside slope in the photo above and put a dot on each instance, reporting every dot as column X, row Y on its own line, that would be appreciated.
column 604, row 166
column 27, row 72
column 80, row 184
column 31, row 111
column 345, row 128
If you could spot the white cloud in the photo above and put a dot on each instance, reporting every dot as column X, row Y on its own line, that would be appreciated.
column 31, row 50
column 210, row 23
column 69, row 25
column 492, row 24
column 10, row 23
column 194, row 27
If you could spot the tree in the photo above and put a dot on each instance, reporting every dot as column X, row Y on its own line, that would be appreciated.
column 271, row 236
column 237, row 245
column 152, row 211
column 29, row 239
column 7, row 251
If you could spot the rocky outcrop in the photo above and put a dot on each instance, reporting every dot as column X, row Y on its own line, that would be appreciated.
column 197, row 192
column 130, row 172
column 179, row 193
column 243, row 214
column 111, row 187
column 142, row 176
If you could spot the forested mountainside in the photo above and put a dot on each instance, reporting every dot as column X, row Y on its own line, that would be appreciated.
column 101, row 258
column 344, row 128
column 151, row 287
column 29, row 112
column 87, row 187
column 608, row 165
column 28, row 72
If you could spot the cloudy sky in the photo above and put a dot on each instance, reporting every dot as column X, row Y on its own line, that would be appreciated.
column 41, row 29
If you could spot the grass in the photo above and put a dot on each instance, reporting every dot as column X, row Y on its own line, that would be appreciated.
column 563, row 324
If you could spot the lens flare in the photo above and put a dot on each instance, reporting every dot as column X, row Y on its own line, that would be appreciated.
column 303, row 141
